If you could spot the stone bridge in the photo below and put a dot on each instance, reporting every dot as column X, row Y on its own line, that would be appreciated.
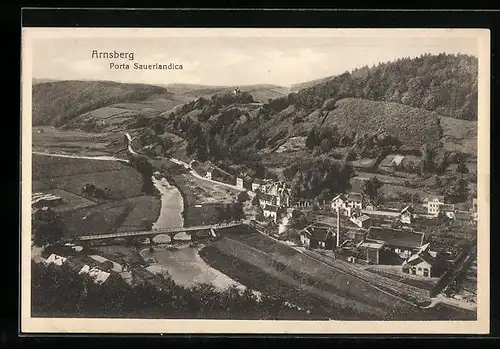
column 171, row 232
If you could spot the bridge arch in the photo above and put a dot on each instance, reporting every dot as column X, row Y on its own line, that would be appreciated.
column 162, row 238
column 182, row 236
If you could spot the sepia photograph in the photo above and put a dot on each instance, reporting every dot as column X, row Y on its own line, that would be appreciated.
column 183, row 180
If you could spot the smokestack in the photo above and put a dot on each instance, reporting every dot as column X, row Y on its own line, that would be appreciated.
column 338, row 225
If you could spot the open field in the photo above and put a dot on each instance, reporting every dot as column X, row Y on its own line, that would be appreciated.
column 50, row 139
column 125, row 208
column 459, row 135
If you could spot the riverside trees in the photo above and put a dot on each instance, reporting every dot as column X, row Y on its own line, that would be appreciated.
column 116, row 299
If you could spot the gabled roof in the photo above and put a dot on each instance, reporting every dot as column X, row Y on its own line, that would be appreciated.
column 397, row 159
column 419, row 257
column 318, row 233
column 357, row 197
column 396, row 237
column 340, row 196
column 354, row 197
column 408, row 209
column 433, row 197
column 363, row 218
column 55, row 259
column 371, row 244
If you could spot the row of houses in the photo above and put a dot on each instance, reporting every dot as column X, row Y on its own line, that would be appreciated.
column 379, row 245
column 98, row 268
column 432, row 206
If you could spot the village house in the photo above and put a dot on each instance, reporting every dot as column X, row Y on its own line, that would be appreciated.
column 97, row 275
column 316, row 237
column 362, row 221
column 44, row 199
column 55, row 259
column 240, row 183
column 406, row 215
column 424, row 263
column 400, row 242
column 346, row 201
column 273, row 212
column 209, row 173
column 370, row 251
column 355, row 235
column 391, row 161
column 266, row 199
column 283, row 199
column 346, row 253
column 448, row 210
column 256, row 184
column 432, row 204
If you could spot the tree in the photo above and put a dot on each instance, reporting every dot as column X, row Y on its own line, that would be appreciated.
column 259, row 214
column 371, row 187
column 255, row 200
column 243, row 196
column 47, row 227
column 312, row 139
column 456, row 190
column 462, row 168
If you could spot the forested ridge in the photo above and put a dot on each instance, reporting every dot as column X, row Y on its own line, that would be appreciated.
column 444, row 83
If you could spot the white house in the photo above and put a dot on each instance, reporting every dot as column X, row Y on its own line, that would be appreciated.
column 55, row 259
column 256, row 184
column 283, row 199
column 448, row 210
column 208, row 175
column 240, row 183
column 97, row 275
column 362, row 221
column 420, row 263
column 266, row 199
column 406, row 215
column 432, row 204
column 272, row 212
column 350, row 200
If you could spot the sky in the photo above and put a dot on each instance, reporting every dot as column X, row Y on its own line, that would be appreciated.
column 233, row 61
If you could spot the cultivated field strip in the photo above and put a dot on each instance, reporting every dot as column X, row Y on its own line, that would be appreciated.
column 398, row 289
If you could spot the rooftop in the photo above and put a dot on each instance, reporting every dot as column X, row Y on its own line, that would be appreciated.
column 371, row 244
column 397, row 159
column 318, row 233
column 434, row 197
column 396, row 237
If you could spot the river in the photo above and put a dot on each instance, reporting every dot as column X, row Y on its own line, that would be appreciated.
column 182, row 262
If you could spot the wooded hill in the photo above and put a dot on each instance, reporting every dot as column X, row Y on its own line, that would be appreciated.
column 55, row 103
column 444, row 83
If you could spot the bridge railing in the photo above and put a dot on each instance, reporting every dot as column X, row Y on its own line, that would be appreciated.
column 159, row 231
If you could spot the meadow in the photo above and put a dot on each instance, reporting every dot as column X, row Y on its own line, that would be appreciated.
column 124, row 208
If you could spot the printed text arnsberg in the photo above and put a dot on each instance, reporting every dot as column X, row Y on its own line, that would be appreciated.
column 131, row 56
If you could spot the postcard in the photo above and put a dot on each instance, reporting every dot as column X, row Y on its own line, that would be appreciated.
column 223, row 180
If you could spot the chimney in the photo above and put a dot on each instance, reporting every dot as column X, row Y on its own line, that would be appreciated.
column 338, row 226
